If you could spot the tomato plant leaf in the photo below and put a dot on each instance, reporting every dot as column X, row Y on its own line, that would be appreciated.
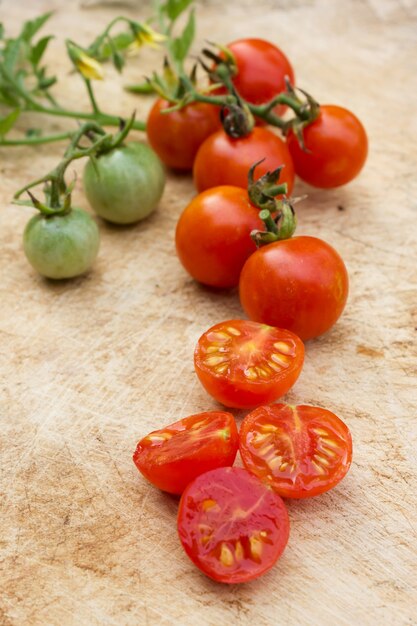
column 174, row 8
column 181, row 45
column 38, row 50
column 46, row 83
column 11, row 54
column 31, row 27
column 119, row 42
column 6, row 123
column 7, row 97
column 145, row 87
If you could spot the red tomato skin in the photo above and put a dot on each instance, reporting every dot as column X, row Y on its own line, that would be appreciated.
column 222, row 160
column 172, row 471
column 300, row 284
column 262, row 68
column 249, row 494
column 177, row 136
column 337, row 148
column 213, row 235
column 304, row 441
column 244, row 394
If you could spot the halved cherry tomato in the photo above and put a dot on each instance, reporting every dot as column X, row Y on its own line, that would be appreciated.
column 213, row 235
column 300, row 451
column 173, row 456
column 262, row 68
column 243, row 364
column 231, row 525
column 336, row 148
column 177, row 136
column 222, row 160
column 300, row 284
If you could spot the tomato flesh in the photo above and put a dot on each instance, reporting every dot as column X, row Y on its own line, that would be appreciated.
column 173, row 456
column 231, row 525
column 336, row 148
column 300, row 451
column 243, row 364
column 213, row 235
column 222, row 160
column 177, row 136
column 300, row 284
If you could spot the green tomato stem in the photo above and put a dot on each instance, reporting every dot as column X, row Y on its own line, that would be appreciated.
column 266, row 217
column 56, row 177
column 33, row 141
column 101, row 118
column 95, row 46
column 92, row 96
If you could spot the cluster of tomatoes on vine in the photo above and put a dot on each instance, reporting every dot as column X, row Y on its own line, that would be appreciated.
column 237, row 231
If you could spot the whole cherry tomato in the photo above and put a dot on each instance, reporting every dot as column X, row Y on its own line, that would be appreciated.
column 173, row 456
column 213, row 235
column 336, row 148
column 231, row 525
column 222, row 160
column 299, row 451
column 262, row 68
column 300, row 284
column 243, row 364
column 177, row 136
column 126, row 184
column 61, row 246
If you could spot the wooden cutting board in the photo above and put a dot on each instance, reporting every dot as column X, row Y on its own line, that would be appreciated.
column 91, row 365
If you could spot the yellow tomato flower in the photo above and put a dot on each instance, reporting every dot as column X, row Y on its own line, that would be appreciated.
column 86, row 65
column 146, row 36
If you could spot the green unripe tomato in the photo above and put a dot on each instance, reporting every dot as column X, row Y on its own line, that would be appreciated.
column 61, row 246
column 127, row 183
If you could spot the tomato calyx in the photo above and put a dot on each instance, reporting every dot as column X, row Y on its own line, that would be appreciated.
column 225, row 65
column 237, row 120
column 278, row 215
column 262, row 191
column 306, row 111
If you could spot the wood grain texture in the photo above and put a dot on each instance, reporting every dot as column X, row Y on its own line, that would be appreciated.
column 91, row 365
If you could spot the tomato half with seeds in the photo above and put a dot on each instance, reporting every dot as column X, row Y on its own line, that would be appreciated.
column 300, row 451
column 299, row 283
column 222, row 160
column 173, row 456
column 336, row 148
column 213, row 235
column 231, row 525
column 177, row 136
column 243, row 364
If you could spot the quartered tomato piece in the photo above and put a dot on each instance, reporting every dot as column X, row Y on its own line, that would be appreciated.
column 172, row 457
column 243, row 363
column 231, row 525
column 300, row 451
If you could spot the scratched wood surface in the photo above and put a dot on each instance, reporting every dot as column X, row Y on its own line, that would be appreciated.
column 91, row 365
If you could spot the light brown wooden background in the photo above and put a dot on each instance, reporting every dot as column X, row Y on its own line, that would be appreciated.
column 89, row 366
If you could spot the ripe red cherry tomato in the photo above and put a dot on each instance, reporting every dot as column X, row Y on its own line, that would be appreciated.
column 177, row 136
column 300, row 284
column 231, row 525
column 262, row 68
column 213, row 235
column 173, row 456
column 222, row 160
column 243, row 364
column 299, row 451
column 337, row 147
